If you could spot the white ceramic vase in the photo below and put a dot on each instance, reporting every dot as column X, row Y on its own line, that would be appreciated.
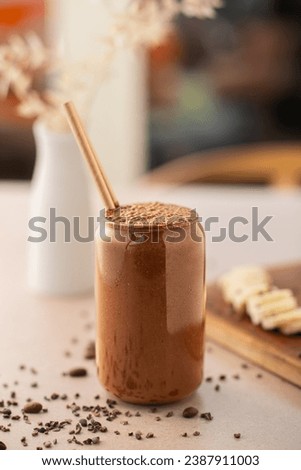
column 59, row 264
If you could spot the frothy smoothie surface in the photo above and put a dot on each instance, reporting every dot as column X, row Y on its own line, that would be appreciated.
column 151, row 213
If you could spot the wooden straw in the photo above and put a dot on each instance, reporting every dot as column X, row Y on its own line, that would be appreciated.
column 103, row 184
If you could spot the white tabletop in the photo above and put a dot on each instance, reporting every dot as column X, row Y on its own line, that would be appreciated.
column 37, row 332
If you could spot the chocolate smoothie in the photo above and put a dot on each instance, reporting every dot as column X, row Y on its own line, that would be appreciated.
column 150, row 293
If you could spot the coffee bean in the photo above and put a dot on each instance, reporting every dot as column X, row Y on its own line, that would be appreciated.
column 32, row 407
column 78, row 372
column 2, row 446
column 190, row 412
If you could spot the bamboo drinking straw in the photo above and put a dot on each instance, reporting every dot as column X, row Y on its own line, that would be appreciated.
column 103, row 184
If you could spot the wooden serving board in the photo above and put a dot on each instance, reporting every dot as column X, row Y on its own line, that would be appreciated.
column 271, row 350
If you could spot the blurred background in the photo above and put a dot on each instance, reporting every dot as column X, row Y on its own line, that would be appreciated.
column 211, row 85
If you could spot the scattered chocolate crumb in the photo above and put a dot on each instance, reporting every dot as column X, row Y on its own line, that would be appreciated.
column 153, row 410
column 75, row 441
column 208, row 379
column 259, row 376
column 83, row 422
column 131, row 434
column 237, row 435
column 169, row 414
column 207, row 416
column 125, row 423
column 158, row 418
column 77, row 395
column 190, row 412
column 111, row 403
column 150, row 435
column 24, row 441
column 90, row 351
column 138, row 435
column 22, row 367
column 117, row 433
column 5, row 385
column 78, row 372
column 32, row 407
column 236, row 376
column 33, row 371
column 74, row 340
column 16, row 418
column 138, row 414
column 47, row 444
column 64, row 396
column 196, row 433
column 217, row 388
column 6, row 412
column 54, row 396
column 2, row 446
column 45, row 410
column 67, row 354
column 222, row 377
column 96, row 440
column 13, row 395
column 4, row 428
column 39, row 448
column 245, row 366
column 184, row 434
column 55, row 442
column 97, row 397
column 88, row 442
column 34, row 385
column 34, row 433
column 128, row 414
